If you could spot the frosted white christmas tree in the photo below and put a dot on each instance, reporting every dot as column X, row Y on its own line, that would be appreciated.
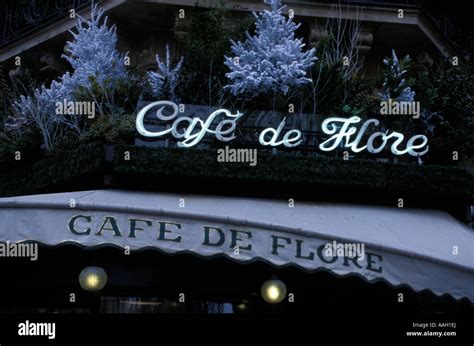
column 164, row 82
column 394, row 85
column 93, row 53
column 272, row 60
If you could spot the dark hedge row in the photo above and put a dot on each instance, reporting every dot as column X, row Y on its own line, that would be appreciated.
column 60, row 171
column 154, row 168
column 313, row 172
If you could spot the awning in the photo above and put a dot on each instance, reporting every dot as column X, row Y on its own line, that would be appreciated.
column 424, row 249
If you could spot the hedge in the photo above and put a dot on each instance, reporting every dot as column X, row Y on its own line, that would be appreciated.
column 152, row 168
column 310, row 172
column 61, row 171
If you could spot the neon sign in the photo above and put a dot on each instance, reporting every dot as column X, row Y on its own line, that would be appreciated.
column 342, row 135
column 195, row 129
column 343, row 132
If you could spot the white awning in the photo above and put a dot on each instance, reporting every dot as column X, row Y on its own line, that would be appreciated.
column 425, row 249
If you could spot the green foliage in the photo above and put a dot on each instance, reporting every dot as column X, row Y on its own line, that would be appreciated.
column 120, row 99
column 455, row 88
column 206, row 39
column 395, row 78
column 312, row 172
column 426, row 88
column 206, row 42
column 112, row 129
column 69, row 170
column 328, row 86
column 456, row 95
column 23, row 82
column 5, row 101
column 74, row 169
column 449, row 90
column 27, row 145
column 362, row 102
column 328, row 80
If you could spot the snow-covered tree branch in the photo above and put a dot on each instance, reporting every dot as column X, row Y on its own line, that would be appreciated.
column 164, row 82
column 39, row 109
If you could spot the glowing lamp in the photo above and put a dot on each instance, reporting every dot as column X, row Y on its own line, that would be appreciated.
column 273, row 291
column 93, row 278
